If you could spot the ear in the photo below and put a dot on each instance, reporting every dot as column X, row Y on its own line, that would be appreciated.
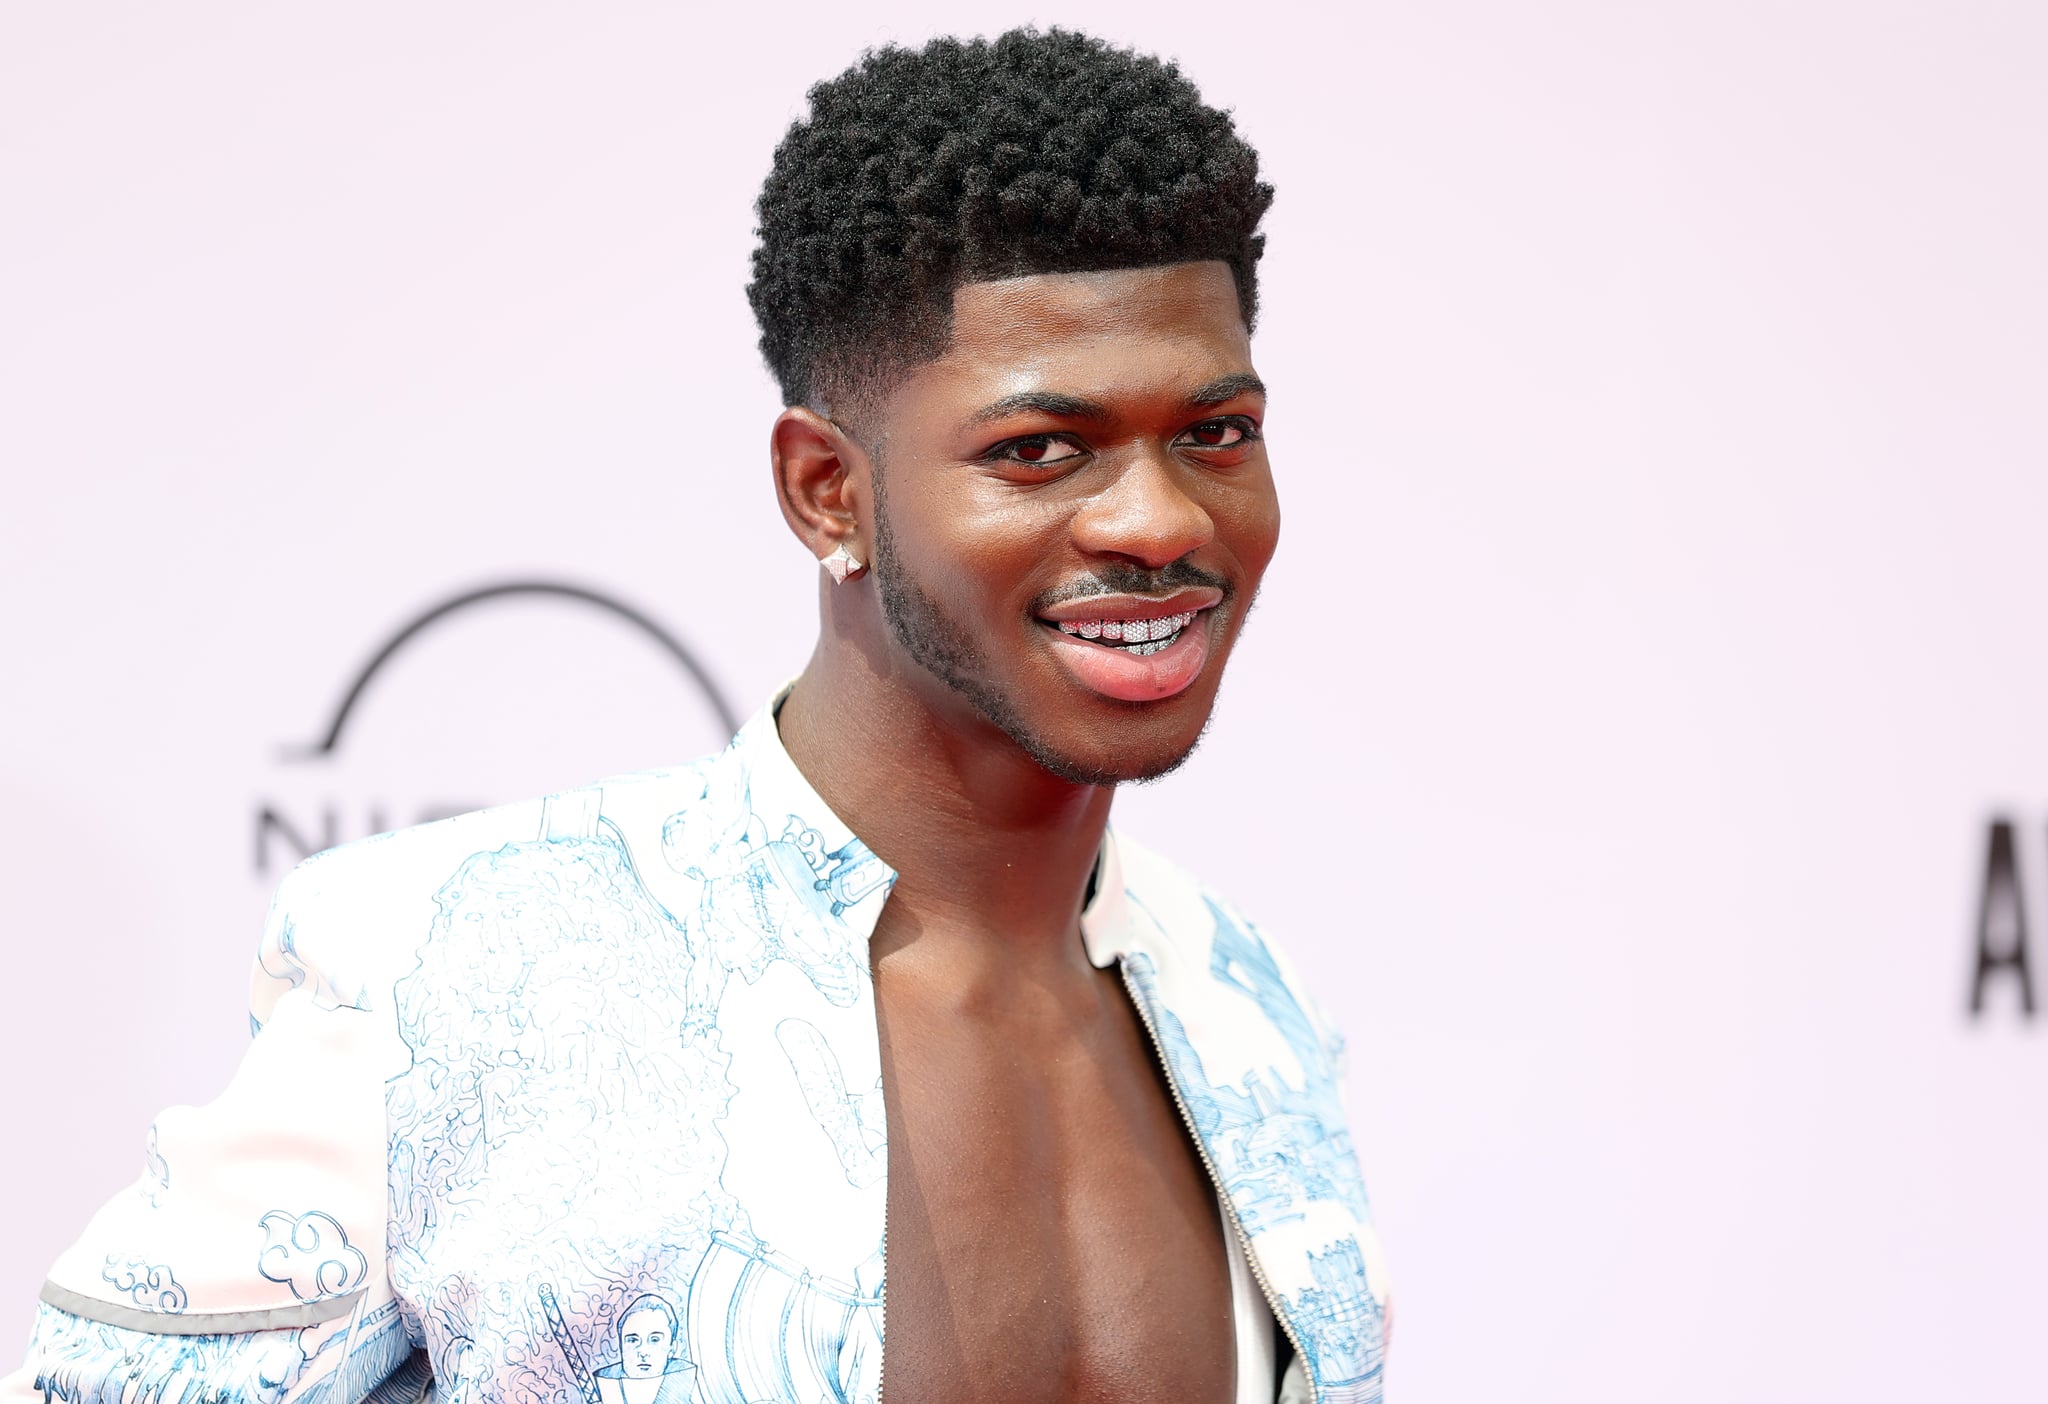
column 822, row 480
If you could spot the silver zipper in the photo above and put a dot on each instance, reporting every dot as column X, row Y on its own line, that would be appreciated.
column 1215, row 1180
column 882, row 1308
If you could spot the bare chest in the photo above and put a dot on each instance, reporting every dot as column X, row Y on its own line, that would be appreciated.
column 1051, row 1232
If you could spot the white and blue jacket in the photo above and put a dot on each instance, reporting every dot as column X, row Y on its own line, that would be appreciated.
column 580, row 1100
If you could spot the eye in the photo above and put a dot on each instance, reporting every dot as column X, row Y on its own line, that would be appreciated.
column 1228, row 432
column 1039, row 450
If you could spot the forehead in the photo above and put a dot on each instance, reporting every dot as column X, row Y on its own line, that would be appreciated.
column 1124, row 329
column 649, row 1318
column 1176, row 299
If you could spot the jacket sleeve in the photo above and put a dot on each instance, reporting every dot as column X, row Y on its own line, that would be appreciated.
column 247, row 1263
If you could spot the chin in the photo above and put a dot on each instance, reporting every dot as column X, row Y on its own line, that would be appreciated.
column 1086, row 756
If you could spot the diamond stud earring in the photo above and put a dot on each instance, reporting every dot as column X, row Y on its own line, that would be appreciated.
column 842, row 564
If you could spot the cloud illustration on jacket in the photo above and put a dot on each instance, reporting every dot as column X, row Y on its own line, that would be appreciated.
column 310, row 1254
column 151, row 1286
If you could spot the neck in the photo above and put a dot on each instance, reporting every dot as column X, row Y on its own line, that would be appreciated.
column 992, row 853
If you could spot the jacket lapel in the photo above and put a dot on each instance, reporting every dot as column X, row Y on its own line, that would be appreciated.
column 1257, row 1079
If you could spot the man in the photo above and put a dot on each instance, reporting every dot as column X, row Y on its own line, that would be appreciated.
column 648, row 1370
column 508, row 1091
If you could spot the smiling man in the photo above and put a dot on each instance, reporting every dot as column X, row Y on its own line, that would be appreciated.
column 1000, row 1106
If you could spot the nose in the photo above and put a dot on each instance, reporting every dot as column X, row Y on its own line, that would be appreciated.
column 1147, row 515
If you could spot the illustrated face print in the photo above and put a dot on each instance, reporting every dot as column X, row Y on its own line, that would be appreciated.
column 643, row 1344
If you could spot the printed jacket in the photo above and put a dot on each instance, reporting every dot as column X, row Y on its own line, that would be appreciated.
column 580, row 1100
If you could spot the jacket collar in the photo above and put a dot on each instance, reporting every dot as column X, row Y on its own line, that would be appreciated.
column 856, row 880
column 779, row 787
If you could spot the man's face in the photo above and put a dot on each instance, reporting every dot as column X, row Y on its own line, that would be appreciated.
column 643, row 1344
column 1074, row 509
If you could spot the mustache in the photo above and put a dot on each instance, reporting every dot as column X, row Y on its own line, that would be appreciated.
column 1124, row 578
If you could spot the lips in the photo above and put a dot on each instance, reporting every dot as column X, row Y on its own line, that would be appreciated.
column 1133, row 648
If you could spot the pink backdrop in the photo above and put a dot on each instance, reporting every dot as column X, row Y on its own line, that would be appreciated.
column 1658, row 624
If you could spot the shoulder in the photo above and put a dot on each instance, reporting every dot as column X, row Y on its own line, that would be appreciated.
column 424, row 852
column 351, row 919
column 1206, row 931
column 1187, row 911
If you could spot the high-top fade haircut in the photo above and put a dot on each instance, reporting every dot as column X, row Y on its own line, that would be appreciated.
column 919, row 170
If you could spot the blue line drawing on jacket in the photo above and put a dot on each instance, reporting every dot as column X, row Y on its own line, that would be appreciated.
column 549, row 1013
column 762, row 1327
column 857, row 1125
column 1279, row 1145
column 151, row 1286
column 562, row 1000
column 374, row 1345
column 565, row 1341
column 156, row 1177
column 855, row 872
column 280, row 961
column 310, row 1253
column 652, row 1366
column 760, row 899
column 1342, row 1329
column 90, row 1362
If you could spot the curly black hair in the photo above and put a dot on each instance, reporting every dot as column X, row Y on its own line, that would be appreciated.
column 1035, row 152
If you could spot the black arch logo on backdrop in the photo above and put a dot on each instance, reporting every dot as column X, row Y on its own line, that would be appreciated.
column 546, row 588
column 2002, row 923
column 302, row 838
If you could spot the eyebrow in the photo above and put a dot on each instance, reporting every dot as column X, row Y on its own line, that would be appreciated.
column 1049, row 402
column 1222, row 391
column 1059, row 406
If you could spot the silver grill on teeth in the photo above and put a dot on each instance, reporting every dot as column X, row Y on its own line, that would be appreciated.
column 1129, row 631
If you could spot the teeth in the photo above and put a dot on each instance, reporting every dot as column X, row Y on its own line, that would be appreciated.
column 1137, row 635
